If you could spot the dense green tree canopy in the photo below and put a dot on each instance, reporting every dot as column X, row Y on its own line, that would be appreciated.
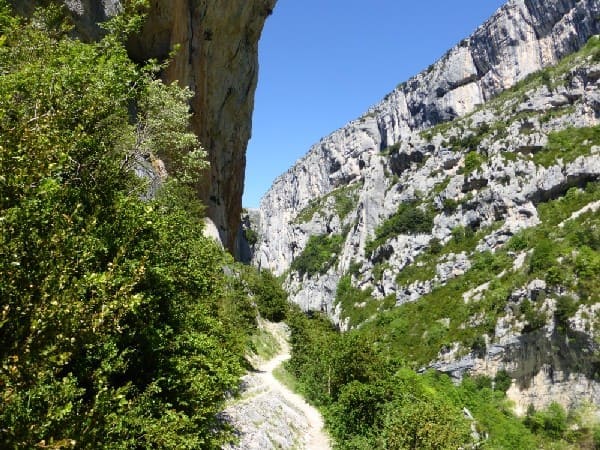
column 114, row 330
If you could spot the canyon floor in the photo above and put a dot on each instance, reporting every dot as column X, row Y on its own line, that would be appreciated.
column 268, row 415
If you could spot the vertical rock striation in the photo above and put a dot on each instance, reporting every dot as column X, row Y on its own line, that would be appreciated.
column 521, row 37
column 218, row 60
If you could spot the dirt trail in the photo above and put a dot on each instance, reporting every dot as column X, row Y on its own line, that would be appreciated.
column 269, row 415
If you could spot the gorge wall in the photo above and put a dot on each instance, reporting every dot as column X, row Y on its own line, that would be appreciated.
column 218, row 61
column 520, row 38
column 422, row 221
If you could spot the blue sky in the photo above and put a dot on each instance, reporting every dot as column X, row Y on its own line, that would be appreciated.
column 324, row 62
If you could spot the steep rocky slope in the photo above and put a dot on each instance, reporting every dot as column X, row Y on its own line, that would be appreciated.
column 458, row 221
column 520, row 38
column 217, row 59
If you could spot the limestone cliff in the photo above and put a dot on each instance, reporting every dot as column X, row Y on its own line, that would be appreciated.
column 218, row 60
column 520, row 38
column 438, row 201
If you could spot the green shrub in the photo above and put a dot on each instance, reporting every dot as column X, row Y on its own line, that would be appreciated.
column 112, row 332
column 424, row 424
column 408, row 219
column 450, row 205
column 543, row 256
column 551, row 421
column 270, row 297
column 535, row 318
column 319, row 255
column 502, row 380
column 566, row 307
column 251, row 236
column 473, row 161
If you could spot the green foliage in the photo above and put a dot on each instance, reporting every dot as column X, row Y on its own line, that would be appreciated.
column 358, row 305
column 435, row 246
column 345, row 199
column 161, row 130
column 473, row 161
column 319, row 254
column 114, row 331
column 370, row 401
column 568, row 144
column 535, row 319
column 450, row 205
column 251, row 236
column 424, row 423
column 543, row 256
column 252, row 292
column 408, row 219
column 502, row 380
column 552, row 421
column 269, row 296
column 566, row 307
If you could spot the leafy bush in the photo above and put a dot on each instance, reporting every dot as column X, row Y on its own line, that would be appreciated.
column 551, row 421
column 112, row 332
column 319, row 254
column 270, row 297
column 473, row 161
column 566, row 307
column 502, row 380
column 408, row 219
column 543, row 256
column 424, row 423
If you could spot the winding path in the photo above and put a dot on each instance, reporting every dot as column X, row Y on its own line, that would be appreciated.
column 269, row 415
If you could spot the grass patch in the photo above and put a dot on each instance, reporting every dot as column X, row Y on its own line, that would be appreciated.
column 568, row 145
column 264, row 344
column 286, row 378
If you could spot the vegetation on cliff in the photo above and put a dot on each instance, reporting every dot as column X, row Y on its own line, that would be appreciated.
column 483, row 292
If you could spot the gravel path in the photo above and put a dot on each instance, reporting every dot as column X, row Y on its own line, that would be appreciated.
column 270, row 416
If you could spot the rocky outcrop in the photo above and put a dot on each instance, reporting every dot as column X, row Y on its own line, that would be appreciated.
column 217, row 60
column 520, row 38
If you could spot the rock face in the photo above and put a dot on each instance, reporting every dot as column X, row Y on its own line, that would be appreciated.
column 455, row 149
column 520, row 38
column 218, row 60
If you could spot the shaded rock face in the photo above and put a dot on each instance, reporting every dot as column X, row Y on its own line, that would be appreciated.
column 218, row 60
column 521, row 37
